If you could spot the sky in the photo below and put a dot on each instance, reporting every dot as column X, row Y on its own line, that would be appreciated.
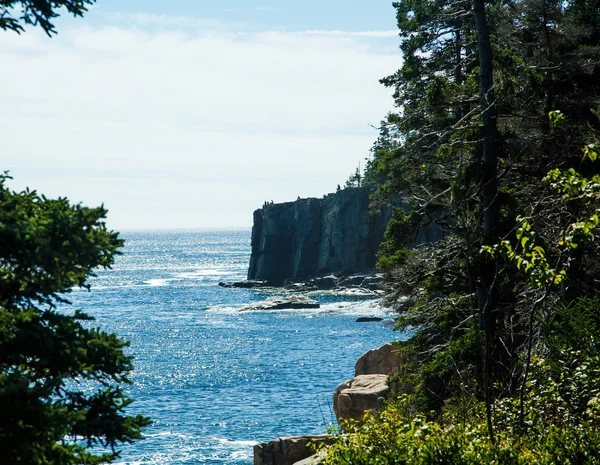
column 193, row 113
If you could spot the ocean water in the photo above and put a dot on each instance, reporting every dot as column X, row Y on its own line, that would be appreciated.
column 216, row 380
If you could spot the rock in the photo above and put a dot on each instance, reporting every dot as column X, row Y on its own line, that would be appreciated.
column 313, row 459
column 288, row 450
column 382, row 361
column 367, row 319
column 312, row 237
column 325, row 283
column 250, row 283
column 373, row 282
column 301, row 287
column 322, row 283
column 363, row 393
column 283, row 302
column 351, row 281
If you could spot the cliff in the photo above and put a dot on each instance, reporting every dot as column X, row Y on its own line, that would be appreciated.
column 311, row 237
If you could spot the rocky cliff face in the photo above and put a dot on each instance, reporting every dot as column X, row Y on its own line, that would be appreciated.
column 310, row 237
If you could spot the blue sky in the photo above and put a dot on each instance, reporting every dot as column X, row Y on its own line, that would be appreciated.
column 183, row 114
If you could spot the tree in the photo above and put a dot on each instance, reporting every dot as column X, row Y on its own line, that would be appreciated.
column 60, row 378
column 355, row 179
column 14, row 14
column 471, row 145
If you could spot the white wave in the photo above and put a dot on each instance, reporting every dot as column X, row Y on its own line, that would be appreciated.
column 170, row 434
column 157, row 282
column 242, row 442
column 203, row 450
column 371, row 307
column 204, row 273
column 236, row 450
column 350, row 292
column 225, row 310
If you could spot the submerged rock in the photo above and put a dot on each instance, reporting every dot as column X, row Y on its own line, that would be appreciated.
column 283, row 302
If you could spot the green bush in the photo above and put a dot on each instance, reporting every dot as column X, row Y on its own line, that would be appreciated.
column 391, row 439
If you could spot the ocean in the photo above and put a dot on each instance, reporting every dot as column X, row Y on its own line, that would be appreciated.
column 214, row 380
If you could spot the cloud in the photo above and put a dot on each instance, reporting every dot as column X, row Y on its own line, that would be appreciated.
column 372, row 34
column 258, row 8
column 188, row 129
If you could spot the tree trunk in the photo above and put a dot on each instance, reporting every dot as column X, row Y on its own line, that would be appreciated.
column 491, row 216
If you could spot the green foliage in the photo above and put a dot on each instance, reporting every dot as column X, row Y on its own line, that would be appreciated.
column 400, row 231
column 374, row 174
column 573, row 326
column 556, row 117
column 528, row 254
column 563, row 420
column 395, row 439
column 493, row 327
column 529, row 257
column 15, row 14
column 60, row 378
column 562, row 401
column 355, row 179
column 544, row 60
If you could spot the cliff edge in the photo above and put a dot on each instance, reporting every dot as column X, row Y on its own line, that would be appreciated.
column 312, row 237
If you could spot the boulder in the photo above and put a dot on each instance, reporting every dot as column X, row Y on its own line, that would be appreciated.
column 363, row 393
column 288, row 450
column 382, row 361
column 282, row 303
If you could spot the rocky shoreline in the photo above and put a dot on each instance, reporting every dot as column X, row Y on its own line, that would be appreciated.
column 370, row 283
column 365, row 392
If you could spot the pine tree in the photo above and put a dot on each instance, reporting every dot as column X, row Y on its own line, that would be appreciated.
column 60, row 378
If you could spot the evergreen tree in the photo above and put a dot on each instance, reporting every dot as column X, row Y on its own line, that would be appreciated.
column 355, row 179
column 60, row 378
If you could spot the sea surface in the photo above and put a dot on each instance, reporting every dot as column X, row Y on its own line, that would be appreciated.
column 214, row 380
